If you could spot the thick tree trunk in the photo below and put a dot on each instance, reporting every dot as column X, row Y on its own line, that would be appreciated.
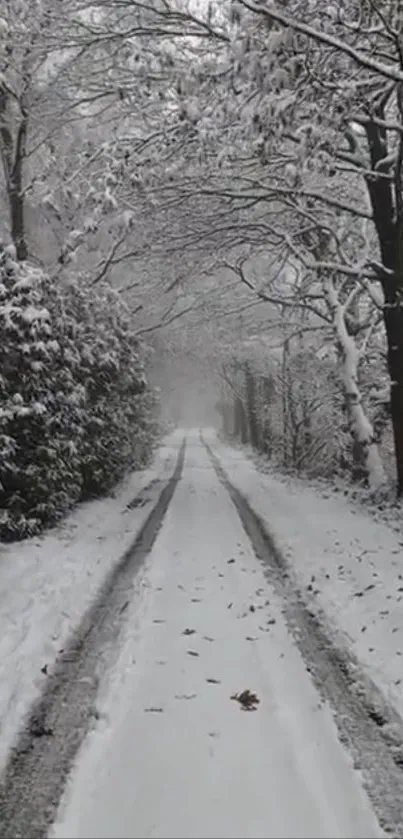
column 15, row 194
column 17, row 223
column 13, row 150
column 393, row 317
column 365, row 447
column 386, row 200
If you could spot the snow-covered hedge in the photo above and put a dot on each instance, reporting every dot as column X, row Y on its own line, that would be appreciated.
column 75, row 409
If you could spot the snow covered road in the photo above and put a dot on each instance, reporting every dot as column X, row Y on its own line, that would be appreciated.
column 175, row 754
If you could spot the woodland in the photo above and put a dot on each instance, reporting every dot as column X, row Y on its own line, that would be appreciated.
column 209, row 187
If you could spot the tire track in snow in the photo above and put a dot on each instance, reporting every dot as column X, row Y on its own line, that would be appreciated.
column 34, row 777
column 371, row 730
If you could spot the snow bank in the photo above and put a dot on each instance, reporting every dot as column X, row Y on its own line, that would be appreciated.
column 348, row 564
column 47, row 583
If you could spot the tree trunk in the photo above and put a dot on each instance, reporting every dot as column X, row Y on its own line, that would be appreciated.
column 13, row 155
column 225, row 412
column 393, row 318
column 268, row 392
column 17, row 224
column 386, row 200
column 15, row 196
column 285, row 400
column 251, row 405
column 365, row 448
column 241, row 425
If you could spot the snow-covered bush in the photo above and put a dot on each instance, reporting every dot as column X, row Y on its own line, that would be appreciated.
column 75, row 410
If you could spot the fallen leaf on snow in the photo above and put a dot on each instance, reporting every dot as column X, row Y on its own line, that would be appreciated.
column 247, row 700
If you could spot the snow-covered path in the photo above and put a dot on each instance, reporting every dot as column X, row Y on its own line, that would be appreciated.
column 175, row 755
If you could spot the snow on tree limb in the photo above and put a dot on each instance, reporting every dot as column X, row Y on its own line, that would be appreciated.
column 268, row 10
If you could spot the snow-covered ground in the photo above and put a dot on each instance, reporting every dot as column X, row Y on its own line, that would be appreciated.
column 348, row 564
column 48, row 582
column 175, row 754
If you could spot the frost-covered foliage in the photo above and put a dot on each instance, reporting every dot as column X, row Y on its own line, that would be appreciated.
column 291, row 411
column 76, row 411
column 291, row 405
